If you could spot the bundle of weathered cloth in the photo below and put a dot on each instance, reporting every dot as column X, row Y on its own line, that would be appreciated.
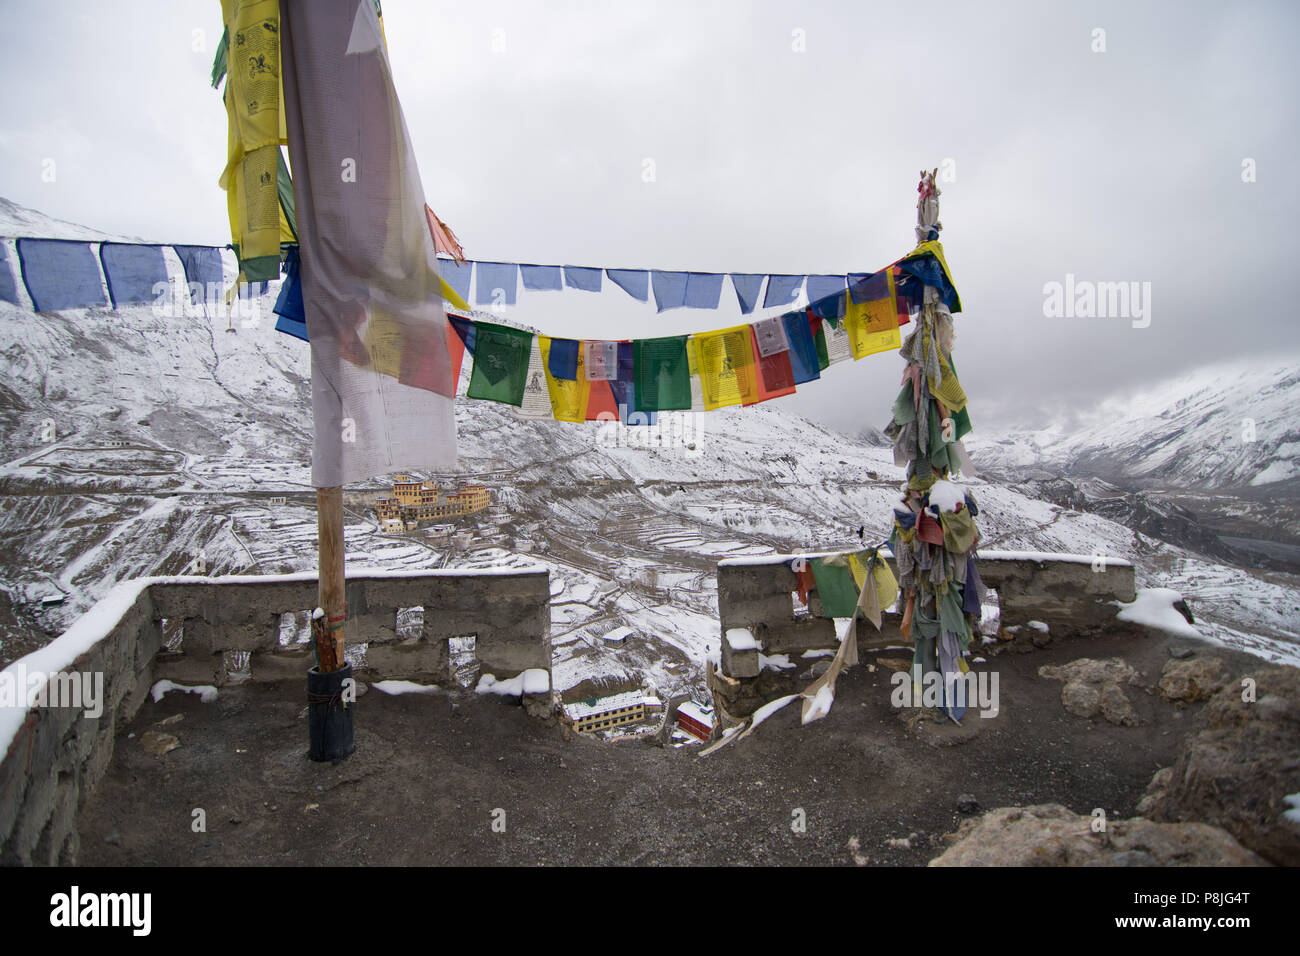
column 934, row 538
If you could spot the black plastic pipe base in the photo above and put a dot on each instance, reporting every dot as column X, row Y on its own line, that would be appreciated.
column 329, row 715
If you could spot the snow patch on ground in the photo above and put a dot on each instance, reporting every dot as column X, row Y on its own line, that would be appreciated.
column 395, row 687
column 532, row 681
column 207, row 693
column 1154, row 608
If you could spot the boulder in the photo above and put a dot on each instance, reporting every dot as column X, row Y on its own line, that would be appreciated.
column 1115, row 707
column 1093, row 688
column 1237, row 767
column 1112, row 670
column 1052, row 835
column 1192, row 679
column 1080, row 699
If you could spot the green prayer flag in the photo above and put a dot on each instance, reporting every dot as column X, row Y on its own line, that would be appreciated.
column 823, row 356
column 960, row 419
column 501, row 357
column 219, row 61
column 661, row 373
column 836, row 588
column 905, row 406
column 258, row 268
column 284, row 186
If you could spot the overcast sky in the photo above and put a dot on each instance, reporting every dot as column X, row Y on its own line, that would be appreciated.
column 785, row 137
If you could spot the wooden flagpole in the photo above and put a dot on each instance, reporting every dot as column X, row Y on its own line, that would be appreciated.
column 327, row 628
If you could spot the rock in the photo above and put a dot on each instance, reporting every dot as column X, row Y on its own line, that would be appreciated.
column 114, row 838
column 1115, row 707
column 1238, row 765
column 1181, row 607
column 158, row 743
column 1128, row 858
column 1192, row 680
column 1092, row 688
column 966, row 803
column 1181, row 653
column 1051, row 835
column 540, row 706
column 1080, row 699
column 1158, row 785
column 1112, row 670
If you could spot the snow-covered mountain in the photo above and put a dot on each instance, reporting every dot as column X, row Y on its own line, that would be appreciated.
column 17, row 222
column 149, row 440
column 1225, row 426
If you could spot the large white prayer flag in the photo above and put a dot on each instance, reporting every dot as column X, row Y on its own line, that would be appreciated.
column 382, row 388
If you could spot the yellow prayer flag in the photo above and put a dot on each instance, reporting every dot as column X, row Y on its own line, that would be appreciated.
column 255, row 130
column 725, row 359
column 452, row 297
column 568, row 398
column 885, row 583
column 859, row 569
column 949, row 390
column 873, row 325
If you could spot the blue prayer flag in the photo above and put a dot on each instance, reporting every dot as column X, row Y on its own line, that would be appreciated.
column 289, row 304
column 625, row 398
column 635, row 282
column 782, row 290
column 563, row 359
column 831, row 308
column 291, row 327
column 456, row 275
column 821, row 287
column 493, row 276
column 703, row 290
column 202, row 265
column 870, row 287
column 669, row 289
column 132, row 271
column 465, row 328
column 926, row 268
column 60, row 274
column 803, row 348
column 542, row 278
column 582, row 277
column 747, row 288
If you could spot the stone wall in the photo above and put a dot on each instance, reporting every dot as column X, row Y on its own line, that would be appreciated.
column 1069, row 594
column 508, row 614
column 757, row 594
column 53, row 757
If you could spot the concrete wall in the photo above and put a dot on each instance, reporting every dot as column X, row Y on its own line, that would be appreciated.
column 57, row 755
column 1065, row 592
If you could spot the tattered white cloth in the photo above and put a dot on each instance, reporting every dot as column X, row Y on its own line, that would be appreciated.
column 382, row 388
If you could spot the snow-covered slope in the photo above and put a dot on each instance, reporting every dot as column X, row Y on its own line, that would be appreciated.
column 144, row 441
column 1230, row 425
column 18, row 222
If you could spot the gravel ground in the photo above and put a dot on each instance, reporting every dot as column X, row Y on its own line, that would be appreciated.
column 433, row 774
